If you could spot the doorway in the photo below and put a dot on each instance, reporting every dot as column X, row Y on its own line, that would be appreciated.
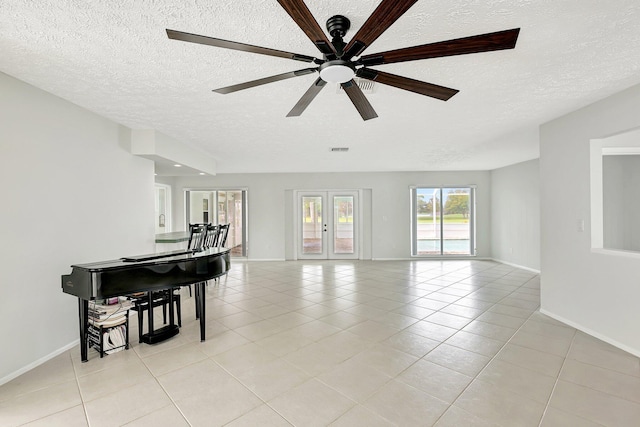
column 162, row 208
column 327, row 224
column 221, row 207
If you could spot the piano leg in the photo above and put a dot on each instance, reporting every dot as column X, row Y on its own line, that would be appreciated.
column 83, row 315
column 197, row 297
column 150, row 313
column 171, row 315
column 200, row 307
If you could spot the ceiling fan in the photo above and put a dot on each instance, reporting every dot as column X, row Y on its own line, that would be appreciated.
column 338, row 64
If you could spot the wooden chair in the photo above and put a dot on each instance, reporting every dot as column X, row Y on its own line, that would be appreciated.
column 213, row 233
column 222, row 235
column 197, row 236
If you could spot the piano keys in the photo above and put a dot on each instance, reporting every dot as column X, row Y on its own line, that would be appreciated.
column 145, row 273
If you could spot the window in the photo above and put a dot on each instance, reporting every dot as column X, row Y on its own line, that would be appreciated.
column 442, row 221
column 221, row 207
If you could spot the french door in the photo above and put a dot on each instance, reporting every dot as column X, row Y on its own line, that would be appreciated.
column 327, row 224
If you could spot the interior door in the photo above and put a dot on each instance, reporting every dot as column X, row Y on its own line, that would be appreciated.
column 327, row 224
column 162, row 208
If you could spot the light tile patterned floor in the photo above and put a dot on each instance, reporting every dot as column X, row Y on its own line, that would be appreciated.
column 341, row 343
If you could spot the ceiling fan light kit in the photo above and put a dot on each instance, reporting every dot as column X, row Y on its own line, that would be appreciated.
column 337, row 64
column 337, row 71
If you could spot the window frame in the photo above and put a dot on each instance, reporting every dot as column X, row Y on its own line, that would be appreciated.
column 414, row 221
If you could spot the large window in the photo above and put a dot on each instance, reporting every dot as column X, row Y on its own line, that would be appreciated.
column 221, row 207
column 442, row 221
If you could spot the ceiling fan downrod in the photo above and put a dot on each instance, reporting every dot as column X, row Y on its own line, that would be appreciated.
column 338, row 26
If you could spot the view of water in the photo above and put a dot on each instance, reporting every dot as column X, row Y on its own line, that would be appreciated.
column 457, row 246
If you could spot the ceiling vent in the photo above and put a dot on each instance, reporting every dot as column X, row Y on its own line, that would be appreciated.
column 340, row 149
column 366, row 86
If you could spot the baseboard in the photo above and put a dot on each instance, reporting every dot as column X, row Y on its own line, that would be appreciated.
column 38, row 362
column 522, row 267
column 436, row 258
column 595, row 334
column 265, row 259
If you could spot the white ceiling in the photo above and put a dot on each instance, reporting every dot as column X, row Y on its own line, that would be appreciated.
column 113, row 57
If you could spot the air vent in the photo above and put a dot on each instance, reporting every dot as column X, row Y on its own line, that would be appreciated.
column 366, row 86
column 340, row 149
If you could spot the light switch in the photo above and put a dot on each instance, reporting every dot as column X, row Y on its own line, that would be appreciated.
column 581, row 225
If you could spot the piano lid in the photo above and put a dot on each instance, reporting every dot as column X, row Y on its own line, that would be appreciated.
column 158, row 255
column 149, row 259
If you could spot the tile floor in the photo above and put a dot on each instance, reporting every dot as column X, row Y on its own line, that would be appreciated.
column 408, row 343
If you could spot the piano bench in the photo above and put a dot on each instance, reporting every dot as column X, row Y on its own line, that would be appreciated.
column 160, row 299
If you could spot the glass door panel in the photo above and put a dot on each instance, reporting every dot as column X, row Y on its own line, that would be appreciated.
column 343, row 232
column 312, row 225
column 231, row 211
column 428, row 227
column 202, row 207
column 456, row 231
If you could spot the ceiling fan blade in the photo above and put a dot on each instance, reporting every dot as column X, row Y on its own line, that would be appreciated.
column 195, row 38
column 254, row 83
column 306, row 99
column 387, row 12
column 417, row 86
column 359, row 100
column 301, row 14
column 499, row 40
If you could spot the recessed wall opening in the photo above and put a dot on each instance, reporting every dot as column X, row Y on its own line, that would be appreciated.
column 615, row 192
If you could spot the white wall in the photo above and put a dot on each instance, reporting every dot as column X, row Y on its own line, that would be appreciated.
column 594, row 290
column 271, row 216
column 71, row 193
column 515, row 214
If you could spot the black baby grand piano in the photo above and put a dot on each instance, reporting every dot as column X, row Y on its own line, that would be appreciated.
column 151, row 272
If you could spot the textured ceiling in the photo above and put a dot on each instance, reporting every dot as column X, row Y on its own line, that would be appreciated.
column 113, row 57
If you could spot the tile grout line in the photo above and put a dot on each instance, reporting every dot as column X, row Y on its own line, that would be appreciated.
column 75, row 374
column 555, row 384
column 494, row 356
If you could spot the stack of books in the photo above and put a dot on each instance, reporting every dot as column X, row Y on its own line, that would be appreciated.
column 108, row 315
column 108, row 330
